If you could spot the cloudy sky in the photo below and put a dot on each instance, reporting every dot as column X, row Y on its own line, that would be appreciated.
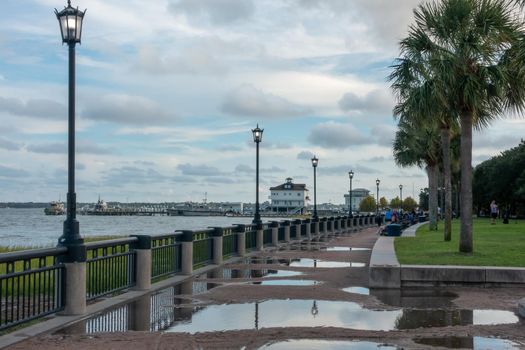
column 168, row 90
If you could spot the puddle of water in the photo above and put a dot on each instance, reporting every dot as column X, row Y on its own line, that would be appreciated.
column 478, row 343
column 324, row 263
column 416, row 298
column 360, row 249
column 314, row 344
column 287, row 283
column 413, row 318
column 338, row 249
column 357, row 290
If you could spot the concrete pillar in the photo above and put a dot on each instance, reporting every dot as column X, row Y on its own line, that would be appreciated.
column 75, row 298
column 241, row 243
column 275, row 233
column 316, row 228
column 259, row 239
column 186, row 287
column 143, row 269
column 343, row 225
column 187, row 258
column 308, row 228
column 141, row 309
column 286, row 225
column 217, row 250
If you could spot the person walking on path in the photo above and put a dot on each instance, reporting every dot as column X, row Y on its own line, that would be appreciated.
column 493, row 211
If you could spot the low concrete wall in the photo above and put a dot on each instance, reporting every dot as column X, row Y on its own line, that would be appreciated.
column 521, row 308
column 384, row 270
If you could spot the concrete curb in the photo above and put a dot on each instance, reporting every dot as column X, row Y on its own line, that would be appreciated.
column 521, row 308
column 386, row 272
column 411, row 231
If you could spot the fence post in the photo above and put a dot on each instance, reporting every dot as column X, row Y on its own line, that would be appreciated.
column 259, row 237
column 275, row 232
column 316, row 227
column 286, row 225
column 141, row 310
column 75, row 289
column 322, row 227
column 187, row 252
column 241, row 239
column 297, row 224
column 308, row 228
column 217, row 245
column 142, row 250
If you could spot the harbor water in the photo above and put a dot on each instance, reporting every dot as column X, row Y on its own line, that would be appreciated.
column 32, row 228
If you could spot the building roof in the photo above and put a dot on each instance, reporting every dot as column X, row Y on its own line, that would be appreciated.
column 292, row 187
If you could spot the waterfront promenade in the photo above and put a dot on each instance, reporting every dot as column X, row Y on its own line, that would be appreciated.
column 312, row 292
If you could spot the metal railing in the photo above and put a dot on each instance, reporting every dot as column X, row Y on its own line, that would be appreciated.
column 31, row 285
column 251, row 239
column 110, row 266
column 280, row 234
column 202, row 247
column 166, row 254
column 229, row 242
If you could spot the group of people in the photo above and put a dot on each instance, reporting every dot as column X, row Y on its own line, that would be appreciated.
column 396, row 217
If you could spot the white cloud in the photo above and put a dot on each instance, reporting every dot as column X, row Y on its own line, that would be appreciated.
column 377, row 101
column 246, row 100
column 337, row 135
column 126, row 109
column 216, row 11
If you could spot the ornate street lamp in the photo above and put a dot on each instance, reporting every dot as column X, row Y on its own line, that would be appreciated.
column 315, row 161
column 70, row 21
column 351, row 176
column 377, row 204
column 401, row 198
column 257, row 138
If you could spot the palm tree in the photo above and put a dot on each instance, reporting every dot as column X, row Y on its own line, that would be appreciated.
column 470, row 60
column 419, row 145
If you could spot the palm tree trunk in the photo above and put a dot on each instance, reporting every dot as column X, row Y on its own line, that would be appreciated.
column 465, row 239
column 432, row 171
column 445, row 143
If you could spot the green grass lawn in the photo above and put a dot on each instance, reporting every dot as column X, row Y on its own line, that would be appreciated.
column 494, row 245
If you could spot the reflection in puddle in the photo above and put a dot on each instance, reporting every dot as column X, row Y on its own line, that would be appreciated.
column 416, row 298
column 323, row 263
column 360, row 249
column 229, row 274
column 357, row 290
column 313, row 344
column 287, row 283
column 478, row 343
column 167, row 312
column 338, row 249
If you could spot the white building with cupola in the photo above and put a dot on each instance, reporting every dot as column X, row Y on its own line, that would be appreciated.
column 289, row 198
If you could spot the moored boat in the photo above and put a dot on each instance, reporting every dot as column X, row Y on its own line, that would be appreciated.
column 55, row 208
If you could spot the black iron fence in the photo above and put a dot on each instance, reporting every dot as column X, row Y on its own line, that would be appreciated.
column 31, row 285
column 110, row 266
column 166, row 255
column 229, row 242
column 202, row 247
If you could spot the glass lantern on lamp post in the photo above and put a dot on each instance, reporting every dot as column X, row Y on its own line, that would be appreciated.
column 315, row 161
column 257, row 138
column 70, row 21
column 350, row 210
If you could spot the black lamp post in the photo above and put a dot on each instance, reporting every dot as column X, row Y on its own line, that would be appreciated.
column 401, row 198
column 70, row 21
column 351, row 176
column 315, row 161
column 257, row 138
column 377, row 203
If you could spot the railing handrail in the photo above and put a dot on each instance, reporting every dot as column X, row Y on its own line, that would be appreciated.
column 166, row 235
column 110, row 242
column 31, row 254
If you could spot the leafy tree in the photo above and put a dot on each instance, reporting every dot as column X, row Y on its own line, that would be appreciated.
column 475, row 49
column 383, row 203
column 416, row 144
column 409, row 203
column 395, row 203
column 501, row 178
column 423, row 199
column 368, row 204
